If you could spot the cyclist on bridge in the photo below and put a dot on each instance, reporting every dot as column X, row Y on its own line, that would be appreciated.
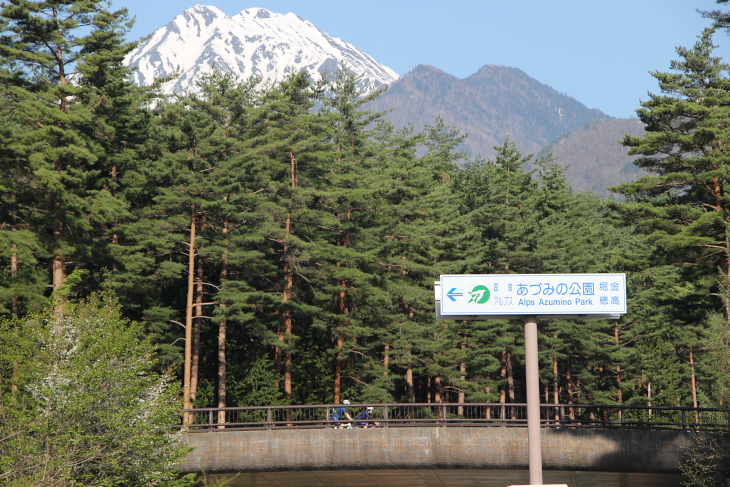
column 339, row 413
column 366, row 413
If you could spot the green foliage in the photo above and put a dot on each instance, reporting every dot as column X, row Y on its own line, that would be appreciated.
column 73, row 124
column 682, row 210
column 682, row 205
column 85, row 407
column 707, row 461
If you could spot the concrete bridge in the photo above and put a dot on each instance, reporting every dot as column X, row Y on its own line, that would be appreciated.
column 458, row 450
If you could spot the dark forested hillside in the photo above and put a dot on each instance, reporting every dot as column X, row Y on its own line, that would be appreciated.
column 298, row 249
column 494, row 102
column 594, row 157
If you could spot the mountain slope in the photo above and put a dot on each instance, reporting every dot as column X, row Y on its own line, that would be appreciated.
column 254, row 42
column 595, row 158
column 492, row 103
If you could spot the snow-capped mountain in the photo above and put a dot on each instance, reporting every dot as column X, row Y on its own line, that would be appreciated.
column 253, row 42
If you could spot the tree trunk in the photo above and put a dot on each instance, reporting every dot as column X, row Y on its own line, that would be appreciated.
column 288, row 285
column 488, row 391
column 386, row 360
column 511, row 385
column 618, row 376
column 15, row 377
column 556, row 392
column 338, row 370
column 286, row 330
column 278, row 353
column 725, row 262
column 222, row 333
column 115, row 236
column 221, row 371
column 648, row 393
column 569, row 381
column 409, row 381
column 187, row 404
column 503, row 377
column 340, row 341
column 14, row 276
column 694, row 385
column 462, row 370
column 59, row 259
column 197, row 323
column 428, row 389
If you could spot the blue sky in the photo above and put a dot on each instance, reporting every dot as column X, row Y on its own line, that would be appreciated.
column 599, row 52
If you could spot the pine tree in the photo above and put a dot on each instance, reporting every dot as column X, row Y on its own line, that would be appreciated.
column 229, row 102
column 289, row 138
column 22, row 284
column 341, row 202
column 58, row 57
column 401, row 181
column 682, row 206
column 414, row 195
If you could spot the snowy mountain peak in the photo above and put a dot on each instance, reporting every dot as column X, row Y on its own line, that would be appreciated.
column 202, row 9
column 254, row 42
column 261, row 13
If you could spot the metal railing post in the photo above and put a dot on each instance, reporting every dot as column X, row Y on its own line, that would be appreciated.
column 684, row 419
column 502, row 415
column 443, row 415
column 269, row 424
column 210, row 419
column 385, row 415
column 562, row 414
column 327, row 417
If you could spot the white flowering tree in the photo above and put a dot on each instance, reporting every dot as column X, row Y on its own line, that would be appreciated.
column 84, row 405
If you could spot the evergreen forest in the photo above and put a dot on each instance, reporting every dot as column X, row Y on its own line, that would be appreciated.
column 290, row 240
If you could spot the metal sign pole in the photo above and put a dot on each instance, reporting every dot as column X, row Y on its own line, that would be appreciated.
column 512, row 297
column 533, row 401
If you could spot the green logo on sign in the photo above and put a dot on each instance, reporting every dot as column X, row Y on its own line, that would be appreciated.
column 479, row 295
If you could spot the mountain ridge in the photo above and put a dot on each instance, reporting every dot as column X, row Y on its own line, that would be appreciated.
column 254, row 42
column 491, row 104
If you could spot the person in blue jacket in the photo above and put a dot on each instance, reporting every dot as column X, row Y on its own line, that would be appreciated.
column 366, row 413
column 339, row 413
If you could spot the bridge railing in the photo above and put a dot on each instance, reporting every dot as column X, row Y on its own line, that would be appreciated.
column 461, row 415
